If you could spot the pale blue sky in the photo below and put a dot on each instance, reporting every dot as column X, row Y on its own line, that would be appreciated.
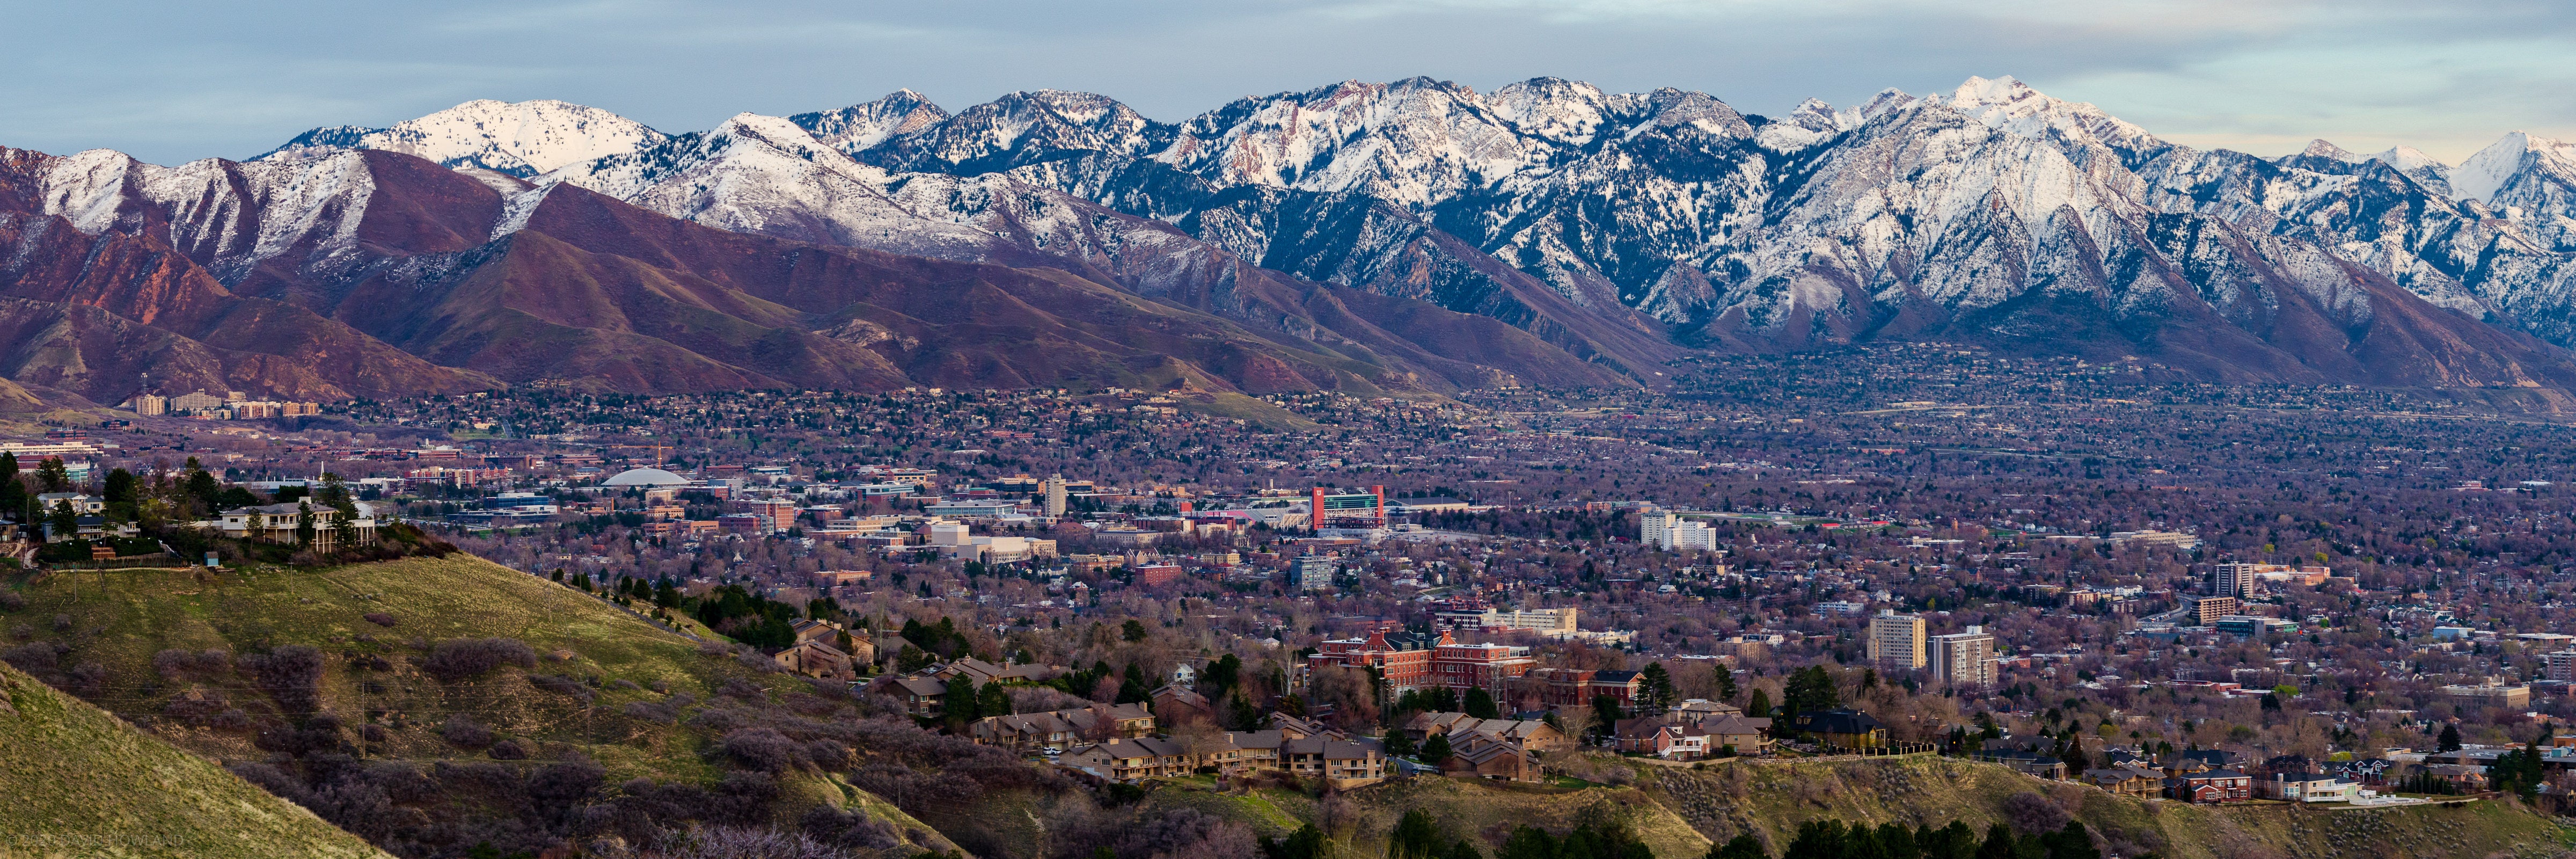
column 171, row 82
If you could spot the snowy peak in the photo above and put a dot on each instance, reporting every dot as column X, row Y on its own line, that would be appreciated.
column 2008, row 105
column 520, row 139
column 2319, row 148
column 859, row 127
column 2512, row 162
column 1019, row 128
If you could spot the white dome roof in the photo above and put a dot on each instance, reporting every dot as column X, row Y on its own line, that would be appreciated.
column 645, row 477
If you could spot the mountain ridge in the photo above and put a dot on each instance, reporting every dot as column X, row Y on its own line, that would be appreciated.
column 1618, row 230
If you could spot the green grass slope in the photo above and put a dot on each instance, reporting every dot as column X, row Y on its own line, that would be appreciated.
column 1679, row 812
column 1772, row 797
column 604, row 684
column 81, row 783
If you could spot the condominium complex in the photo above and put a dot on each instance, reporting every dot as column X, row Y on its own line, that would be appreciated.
column 1896, row 640
column 2562, row 665
column 1964, row 659
column 1665, row 529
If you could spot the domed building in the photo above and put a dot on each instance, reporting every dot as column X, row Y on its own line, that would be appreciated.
column 647, row 478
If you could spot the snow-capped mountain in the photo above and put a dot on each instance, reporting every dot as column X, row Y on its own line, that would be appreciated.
column 521, row 139
column 1617, row 225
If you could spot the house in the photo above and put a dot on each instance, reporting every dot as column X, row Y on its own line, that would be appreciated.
column 1345, row 763
column 1842, row 728
column 2025, row 761
column 2198, row 760
column 1247, row 750
column 278, row 523
column 1485, row 756
column 921, row 695
column 1744, row 735
column 808, row 629
column 1702, row 708
column 816, row 659
column 1533, row 734
column 983, row 672
column 1129, row 760
column 1663, row 736
column 2126, row 781
column 2303, row 787
column 1176, row 704
column 81, row 504
column 2463, row 776
column 1027, row 733
column 2210, row 786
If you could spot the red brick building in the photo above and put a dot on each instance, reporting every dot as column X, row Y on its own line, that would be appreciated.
column 1574, row 687
column 1412, row 661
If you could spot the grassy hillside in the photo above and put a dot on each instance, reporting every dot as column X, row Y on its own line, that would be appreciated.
column 1771, row 798
column 81, row 783
column 1680, row 812
column 395, row 664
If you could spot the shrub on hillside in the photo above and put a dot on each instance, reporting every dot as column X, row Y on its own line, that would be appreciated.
column 380, row 618
column 176, row 665
column 509, row 750
column 292, row 675
column 459, row 659
column 763, row 749
column 848, row 830
column 34, row 657
column 463, row 732
column 2033, row 813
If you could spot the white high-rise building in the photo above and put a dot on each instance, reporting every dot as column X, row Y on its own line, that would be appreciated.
column 1052, row 490
column 1896, row 640
column 1689, row 536
column 1964, row 659
column 1655, row 527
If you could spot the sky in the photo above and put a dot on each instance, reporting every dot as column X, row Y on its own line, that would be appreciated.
column 170, row 82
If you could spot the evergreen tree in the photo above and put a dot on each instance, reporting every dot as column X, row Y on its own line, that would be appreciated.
column 1306, row 843
column 1481, row 705
column 13, row 494
column 119, row 493
column 1818, row 839
column 1464, row 850
column 1743, row 846
column 1415, row 837
column 51, row 476
column 1654, row 689
column 992, row 700
column 1132, row 688
column 1529, row 842
column 1435, row 749
column 958, row 705
column 1998, row 843
column 304, row 523
column 1399, row 744
column 2450, row 741
column 1606, row 714
column 1725, row 683
column 2072, row 842
column 1222, row 675
column 65, row 521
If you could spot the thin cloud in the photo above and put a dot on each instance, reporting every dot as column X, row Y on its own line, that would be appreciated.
column 195, row 81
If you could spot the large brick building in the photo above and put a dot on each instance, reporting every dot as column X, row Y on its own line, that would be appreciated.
column 1412, row 661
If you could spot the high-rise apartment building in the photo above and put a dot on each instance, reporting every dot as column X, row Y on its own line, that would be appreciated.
column 1655, row 527
column 1896, row 640
column 1964, row 659
column 1052, row 491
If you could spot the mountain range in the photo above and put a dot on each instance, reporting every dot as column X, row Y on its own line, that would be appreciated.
column 1414, row 236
